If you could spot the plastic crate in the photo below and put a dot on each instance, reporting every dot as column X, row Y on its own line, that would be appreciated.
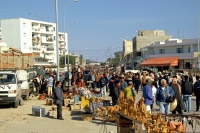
column 38, row 111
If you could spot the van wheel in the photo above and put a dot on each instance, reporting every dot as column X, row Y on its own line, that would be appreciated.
column 15, row 104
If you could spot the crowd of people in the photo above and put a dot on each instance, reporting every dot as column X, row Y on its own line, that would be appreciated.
column 161, row 89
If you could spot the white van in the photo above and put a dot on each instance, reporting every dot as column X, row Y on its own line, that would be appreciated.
column 10, row 91
column 22, row 77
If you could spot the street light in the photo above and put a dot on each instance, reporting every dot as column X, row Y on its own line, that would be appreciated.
column 198, row 38
column 67, row 40
column 65, row 29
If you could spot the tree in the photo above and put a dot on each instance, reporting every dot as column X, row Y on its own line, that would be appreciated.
column 71, row 60
column 113, row 61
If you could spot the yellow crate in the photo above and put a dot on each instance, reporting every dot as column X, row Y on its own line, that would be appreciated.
column 84, row 103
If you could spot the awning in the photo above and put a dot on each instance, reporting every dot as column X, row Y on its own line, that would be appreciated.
column 162, row 61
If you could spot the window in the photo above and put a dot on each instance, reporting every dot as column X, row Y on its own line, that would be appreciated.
column 188, row 49
column 54, row 28
column 54, row 38
column 153, row 52
column 25, row 45
column 162, row 51
column 24, row 25
column 179, row 50
column 24, row 35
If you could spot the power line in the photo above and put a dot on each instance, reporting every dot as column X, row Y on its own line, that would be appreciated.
column 96, row 49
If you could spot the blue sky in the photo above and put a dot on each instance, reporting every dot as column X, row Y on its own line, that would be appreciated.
column 102, row 23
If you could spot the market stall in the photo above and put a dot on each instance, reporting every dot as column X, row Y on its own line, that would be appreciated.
column 132, row 118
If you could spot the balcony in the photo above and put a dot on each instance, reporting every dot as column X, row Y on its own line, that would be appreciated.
column 36, row 39
column 46, row 29
column 49, row 39
column 36, row 49
column 50, row 49
column 61, row 39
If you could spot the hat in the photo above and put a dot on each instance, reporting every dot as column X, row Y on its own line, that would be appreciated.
column 149, row 81
column 122, row 76
column 173, row 105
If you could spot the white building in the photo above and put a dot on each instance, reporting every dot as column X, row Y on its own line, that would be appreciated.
column 186, row 50
column 34, row 36
column 0, row 35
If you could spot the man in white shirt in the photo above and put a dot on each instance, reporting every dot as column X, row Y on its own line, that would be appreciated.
column 50, row 85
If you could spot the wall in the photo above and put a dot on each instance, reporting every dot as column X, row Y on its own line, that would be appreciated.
column 10, row 29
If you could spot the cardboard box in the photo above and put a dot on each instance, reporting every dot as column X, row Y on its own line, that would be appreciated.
column 49, row 102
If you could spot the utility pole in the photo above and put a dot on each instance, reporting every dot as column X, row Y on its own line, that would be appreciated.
column 198, row 38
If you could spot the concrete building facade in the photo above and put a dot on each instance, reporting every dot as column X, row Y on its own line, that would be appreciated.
column 34, row 36
column 185, row 49
column 143, row 39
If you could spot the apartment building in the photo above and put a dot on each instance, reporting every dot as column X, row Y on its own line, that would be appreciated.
column 0, row 36
column 175, row 53
column 34, row 36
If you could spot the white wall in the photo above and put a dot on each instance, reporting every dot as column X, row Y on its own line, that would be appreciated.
column 26, row 40
column 10, row 29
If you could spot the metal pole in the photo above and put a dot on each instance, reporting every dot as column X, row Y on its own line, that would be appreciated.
column 198, row 38
column 64, row 32
column 57, row 50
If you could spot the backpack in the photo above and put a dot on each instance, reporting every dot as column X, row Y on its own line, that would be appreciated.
column 144, row 80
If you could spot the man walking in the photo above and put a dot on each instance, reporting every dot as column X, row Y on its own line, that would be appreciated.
column 102, row 83
column 148, row 94
column 50, row 85
column 123, row 83
column 163, row 92
column 197, row 92
column 187, row 94
column 58, row 98
column 137, row 83
column 115, row 92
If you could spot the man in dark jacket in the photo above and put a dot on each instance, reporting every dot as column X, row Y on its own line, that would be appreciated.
column 115, row 92
column 197, row 92
column 111, row 85
column 177, row 94
column 58, row 98
column 137, row 83
column 102, row 83
column 187, row 94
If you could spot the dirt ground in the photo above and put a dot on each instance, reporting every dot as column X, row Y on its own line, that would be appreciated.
column 21, row 120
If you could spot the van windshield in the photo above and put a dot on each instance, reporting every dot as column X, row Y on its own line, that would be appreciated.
column 7, row 78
